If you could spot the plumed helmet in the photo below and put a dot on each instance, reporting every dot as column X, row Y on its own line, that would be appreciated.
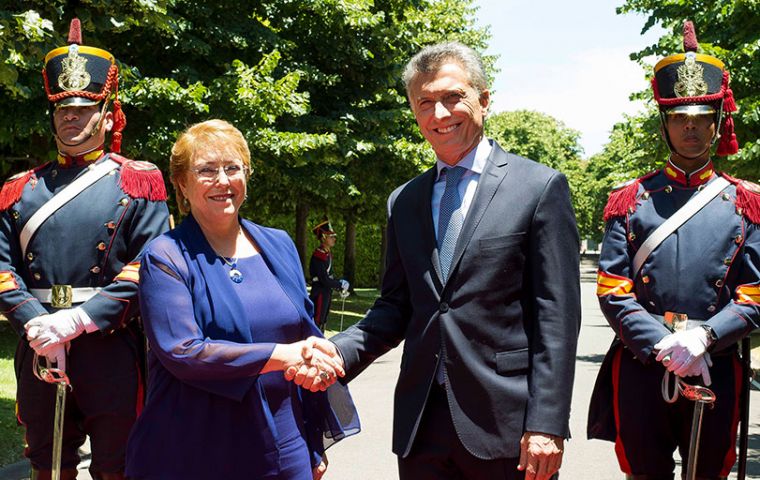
column 79, row 75
column 695, row 83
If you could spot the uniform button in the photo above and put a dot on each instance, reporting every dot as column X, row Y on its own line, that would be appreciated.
column 668, row 189
column 701, row 187
column 727, row 261
column 101, row 246
column 651, row 303
column 110, row 225
column 95, row 269
column 443, row 307
column 15, row 215
column 645, row 196
column 739, row 211
column 630, row 209
column 711, row 308
column 112, row 172
column 726, row 197
column 37, row 276
column 90, row 166
column 123, row 202
column 54, row 173
column 631, row 236
column 719, row 283
column 739, row 239
column 30, row 256
column 645, row 279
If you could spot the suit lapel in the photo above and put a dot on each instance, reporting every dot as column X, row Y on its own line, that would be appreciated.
column 493, row 174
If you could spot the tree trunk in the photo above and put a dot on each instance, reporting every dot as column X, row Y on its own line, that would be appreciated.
column 349, row 252
column 383, row 245
column 302, row 215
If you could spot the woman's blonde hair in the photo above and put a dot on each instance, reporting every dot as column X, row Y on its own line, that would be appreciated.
column 211, row 135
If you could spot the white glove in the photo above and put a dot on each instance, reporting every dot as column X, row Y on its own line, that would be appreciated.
column 701, row 367
column 344, row 285
column 684, row 348
column 47, row 331
column 57, row 354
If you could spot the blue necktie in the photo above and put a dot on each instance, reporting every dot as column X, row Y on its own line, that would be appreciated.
column 450, row 219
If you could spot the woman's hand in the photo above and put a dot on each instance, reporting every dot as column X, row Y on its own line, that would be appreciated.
column 320, row 469
column 307, row 363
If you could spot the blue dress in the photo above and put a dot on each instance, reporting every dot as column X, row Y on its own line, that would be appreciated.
column 209, row 413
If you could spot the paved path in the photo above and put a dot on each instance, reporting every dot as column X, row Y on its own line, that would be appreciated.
column 368, row 456
column 369, row 452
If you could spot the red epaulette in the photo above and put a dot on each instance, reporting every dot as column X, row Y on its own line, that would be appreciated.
column 140, row 179
column 320, row 254
column 14, row 187
column 622, row 199
column 747, row 198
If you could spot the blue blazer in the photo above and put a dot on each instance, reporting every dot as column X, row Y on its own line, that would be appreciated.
column 504, row 325
column 206, row 415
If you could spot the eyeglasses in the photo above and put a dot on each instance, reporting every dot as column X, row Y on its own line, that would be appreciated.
column 209, row 173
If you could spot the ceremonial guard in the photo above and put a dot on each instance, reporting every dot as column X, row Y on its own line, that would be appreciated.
column 679, row 283
column 320, row 272
column 71, row 232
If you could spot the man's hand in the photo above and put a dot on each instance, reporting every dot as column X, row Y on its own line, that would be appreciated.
column 319, row 351
column 320, row 469
column 57, row 355
column 47, row 331
column 306, row 364
column 701, row 367
column 540, row 455
column 682, row 349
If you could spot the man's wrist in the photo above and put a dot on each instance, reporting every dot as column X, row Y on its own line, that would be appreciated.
column 710, row 336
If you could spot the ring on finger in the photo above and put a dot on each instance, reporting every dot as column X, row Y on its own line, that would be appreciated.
column 324, row 375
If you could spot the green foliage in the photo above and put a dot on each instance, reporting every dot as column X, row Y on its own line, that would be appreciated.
column 546, row 140
column 729, row 30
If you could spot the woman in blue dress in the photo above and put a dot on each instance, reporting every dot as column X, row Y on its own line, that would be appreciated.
column 226, row 312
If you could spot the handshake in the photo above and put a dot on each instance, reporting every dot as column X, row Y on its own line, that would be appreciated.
column 314, row 363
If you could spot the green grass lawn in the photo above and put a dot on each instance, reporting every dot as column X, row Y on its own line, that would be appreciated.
column 356, row 306
column 12, row 435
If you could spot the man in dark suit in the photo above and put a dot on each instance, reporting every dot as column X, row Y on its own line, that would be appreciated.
column 482, row 284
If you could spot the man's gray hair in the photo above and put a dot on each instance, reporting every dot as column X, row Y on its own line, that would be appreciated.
column 432, row 57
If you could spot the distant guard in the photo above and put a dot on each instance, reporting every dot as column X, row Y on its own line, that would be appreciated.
column 679, row 283
column 320, row 272
column 71, row 233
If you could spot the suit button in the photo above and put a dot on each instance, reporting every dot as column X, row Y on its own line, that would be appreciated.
column 37, row 276
column 95, row 269
column 101, row 246
column 443, row 307
column 30, row 256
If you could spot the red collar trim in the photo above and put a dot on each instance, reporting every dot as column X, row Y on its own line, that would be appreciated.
column 67, row 161
column 695, row 179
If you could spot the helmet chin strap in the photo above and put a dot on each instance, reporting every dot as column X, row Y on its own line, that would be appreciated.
column 94, row 131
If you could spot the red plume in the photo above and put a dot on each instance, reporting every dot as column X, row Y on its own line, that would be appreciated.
column 75, row 32
column 689, row 37
column 728, row 144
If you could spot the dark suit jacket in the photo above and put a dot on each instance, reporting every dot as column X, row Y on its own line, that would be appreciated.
column 505, row 323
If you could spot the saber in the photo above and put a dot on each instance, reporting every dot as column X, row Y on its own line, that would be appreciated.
column 61, row 380
column 701, row 396
column 343, row 295
column 741, row 472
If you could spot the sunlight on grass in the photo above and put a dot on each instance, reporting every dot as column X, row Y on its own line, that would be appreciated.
column 11, row 434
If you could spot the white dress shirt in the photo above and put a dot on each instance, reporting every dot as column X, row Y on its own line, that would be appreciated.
column 474, row 162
